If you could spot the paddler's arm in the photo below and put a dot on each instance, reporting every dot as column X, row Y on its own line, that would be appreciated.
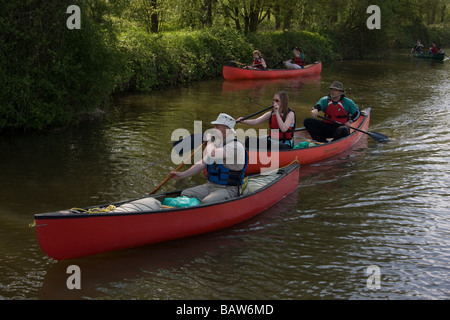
column 321, row 105
column 352, row 109
column 192, row 171
column 284, row 125
column 252, row 122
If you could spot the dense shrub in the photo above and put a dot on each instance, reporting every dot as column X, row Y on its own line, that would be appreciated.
column 180, row 57
column 49, row 73
column 276, row 46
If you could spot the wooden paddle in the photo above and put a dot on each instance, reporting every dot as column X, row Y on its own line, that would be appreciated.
column 374, row 135
column 177, row 168
column 238, row 63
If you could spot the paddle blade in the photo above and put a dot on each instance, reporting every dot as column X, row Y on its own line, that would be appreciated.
column 188, row 143
column 378, row 136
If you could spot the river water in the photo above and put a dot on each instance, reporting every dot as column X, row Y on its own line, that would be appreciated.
column 372, row 223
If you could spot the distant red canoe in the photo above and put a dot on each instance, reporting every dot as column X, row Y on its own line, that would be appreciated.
column 76, row 233
column 259, row 160
column 235, row 73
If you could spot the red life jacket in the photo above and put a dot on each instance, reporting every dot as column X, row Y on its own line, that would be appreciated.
column 257, row 63
column 275, row 131
column 336, row 112
column 299, row 61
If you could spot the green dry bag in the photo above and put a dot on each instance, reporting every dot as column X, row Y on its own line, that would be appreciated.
column 180, row 202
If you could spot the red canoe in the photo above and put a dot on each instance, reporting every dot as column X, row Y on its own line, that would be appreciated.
column 258, row 160
column 76, row 233
column 235, row 73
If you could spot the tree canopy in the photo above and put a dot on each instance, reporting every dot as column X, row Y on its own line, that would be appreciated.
column 51, row 74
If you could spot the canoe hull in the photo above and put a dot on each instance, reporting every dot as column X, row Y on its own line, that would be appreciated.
column 438, row 56
column 66, row 235
column 259, row 161
column 235, row 73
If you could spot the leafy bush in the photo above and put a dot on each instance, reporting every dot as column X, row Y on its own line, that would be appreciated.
column 276, row 46
column 50, row 75
column 179, row 57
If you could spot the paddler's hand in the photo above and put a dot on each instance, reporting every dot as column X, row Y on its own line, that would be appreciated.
column 209, row 137
column 348, row 124
column 214, row 136
column 314, row 113
column 276, row 108
column 176, row 175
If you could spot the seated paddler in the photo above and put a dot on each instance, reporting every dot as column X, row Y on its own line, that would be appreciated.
column 225, row 160
column 282, row 124
column 341, row 112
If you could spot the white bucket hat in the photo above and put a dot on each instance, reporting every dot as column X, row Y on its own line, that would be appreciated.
column 225, row 120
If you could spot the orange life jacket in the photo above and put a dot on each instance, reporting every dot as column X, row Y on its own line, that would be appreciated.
column 257, row 63
column 336, row 112
column 275, row 131
column 299, row 61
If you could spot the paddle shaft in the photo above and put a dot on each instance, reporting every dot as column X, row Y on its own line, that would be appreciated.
column 342, row 124
column 191, row 137
column 237, row 62
column 254, row 114
column 375, row 135
column 177, row 168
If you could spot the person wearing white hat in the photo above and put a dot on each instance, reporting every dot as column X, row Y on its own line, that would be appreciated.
column 225, row 160
column 336, row 107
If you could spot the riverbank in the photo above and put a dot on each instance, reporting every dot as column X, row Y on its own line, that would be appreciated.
column 174, row 58
column 54, row 77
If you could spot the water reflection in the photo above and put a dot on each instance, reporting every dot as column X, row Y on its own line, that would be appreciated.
column 259, row 87
column 381, row 204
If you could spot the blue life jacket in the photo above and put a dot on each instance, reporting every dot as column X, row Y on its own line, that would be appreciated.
column 219, row 174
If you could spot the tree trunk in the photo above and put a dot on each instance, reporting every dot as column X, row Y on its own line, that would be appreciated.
column 154, row 20
column 208, row 21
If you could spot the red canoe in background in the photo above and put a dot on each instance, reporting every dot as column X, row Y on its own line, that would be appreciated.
column 235, row 73
column 76, row 233
column 260, row 160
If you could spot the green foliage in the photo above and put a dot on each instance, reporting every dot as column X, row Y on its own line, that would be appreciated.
column 173, row 58
column 49, row 74
column 276, row 46
column 179, row 57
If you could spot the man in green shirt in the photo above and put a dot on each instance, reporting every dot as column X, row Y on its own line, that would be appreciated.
column 337, row 107
column 298, row 61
